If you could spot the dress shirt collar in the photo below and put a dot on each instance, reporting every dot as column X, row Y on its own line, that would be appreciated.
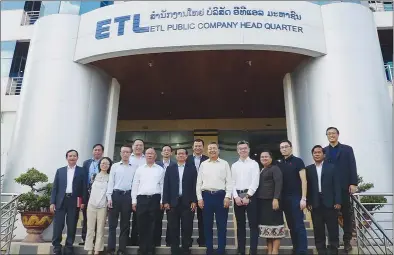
column 214, row 161
column 195, row 156
column 183, row 165
column 121, row 162
column 71, row 167
column 321, row 164
column 246, row 160
column 133, row 155
column 153, row 165
column 166, row 161
column 96, row 160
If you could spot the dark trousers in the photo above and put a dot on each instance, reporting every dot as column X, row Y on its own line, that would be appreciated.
column 322, row 217
column 121, row 205
column 180, row 217
column 84, row 224
column 295, row 223
column 201, row 234
column 213, row 205
column 159, row 227
column 251, row 210
column 347, row 214
column 147, row 209
column 133, row 241
column 67, row 213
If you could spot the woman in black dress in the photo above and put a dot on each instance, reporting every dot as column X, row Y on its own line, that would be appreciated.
column 271, row 222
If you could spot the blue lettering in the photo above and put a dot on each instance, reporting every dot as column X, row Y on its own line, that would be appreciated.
column 136, row 25
column 121, row 20
column 102, row 29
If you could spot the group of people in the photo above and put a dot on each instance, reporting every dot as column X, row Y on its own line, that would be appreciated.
column 140, row 186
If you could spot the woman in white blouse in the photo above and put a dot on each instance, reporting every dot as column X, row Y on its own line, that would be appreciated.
column 97, row 208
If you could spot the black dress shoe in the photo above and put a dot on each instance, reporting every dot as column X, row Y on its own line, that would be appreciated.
column 82, row 243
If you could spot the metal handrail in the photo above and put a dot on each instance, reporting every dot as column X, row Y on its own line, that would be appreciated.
column 14, row 86
column 380, row 6
column 389, row 72
column 9, row 210
column 30, row 17
column 371, row 236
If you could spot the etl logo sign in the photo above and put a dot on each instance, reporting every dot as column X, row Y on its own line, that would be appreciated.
column 103, row 26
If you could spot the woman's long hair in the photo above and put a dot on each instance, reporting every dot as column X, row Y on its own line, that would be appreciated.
column 110, row 164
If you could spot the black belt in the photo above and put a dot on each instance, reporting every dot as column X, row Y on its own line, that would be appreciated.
column 213, row 191
column 242, row 191
column 122, row 192
column 149, row 196
column 68, row 195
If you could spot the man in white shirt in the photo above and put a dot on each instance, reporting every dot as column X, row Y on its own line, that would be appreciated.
column 246, row 176
column 146, row 195
column 137, row 158
column 119, row 200
column 324, row 201
column 214, row 187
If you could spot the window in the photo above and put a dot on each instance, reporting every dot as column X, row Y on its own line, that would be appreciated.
column 87, row 6
column 12, row 5
column 70, row 7
column 49, row 7
column 19, row 59
column 7, row 54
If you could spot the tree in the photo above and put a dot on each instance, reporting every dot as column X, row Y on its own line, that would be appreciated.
column 375, row 202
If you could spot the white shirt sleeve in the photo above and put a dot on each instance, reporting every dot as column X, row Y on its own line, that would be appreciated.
column 255, row 180
column 234, row 177
column 161, row 183
column 136, row 185
column 229, row 181
column 111, row 184
column 199, row 182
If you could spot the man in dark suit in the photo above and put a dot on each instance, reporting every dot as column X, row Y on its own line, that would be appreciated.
column 342, row 156
column 196, row 159
column 179, row 198
column 91, row 168
column 68, row 187
column 166, row 153
column 324, row 201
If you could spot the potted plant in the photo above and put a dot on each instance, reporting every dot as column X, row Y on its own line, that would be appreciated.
column 34, row 204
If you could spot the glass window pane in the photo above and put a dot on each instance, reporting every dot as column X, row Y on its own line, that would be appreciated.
column 49, row 7
column 70, row 7
column 87, row 6
column 105, row 3
column 7, row 53
column 12, row 5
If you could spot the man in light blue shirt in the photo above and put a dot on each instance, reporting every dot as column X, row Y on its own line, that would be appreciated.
column 90, row 167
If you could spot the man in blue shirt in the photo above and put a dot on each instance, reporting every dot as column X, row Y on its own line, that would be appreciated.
column 90, row 167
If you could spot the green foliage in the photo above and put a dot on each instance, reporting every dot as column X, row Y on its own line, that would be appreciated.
column 375, row 201
column 37, row 199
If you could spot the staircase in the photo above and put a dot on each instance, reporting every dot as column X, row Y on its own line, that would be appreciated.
column 286, row 245
column 9, row 203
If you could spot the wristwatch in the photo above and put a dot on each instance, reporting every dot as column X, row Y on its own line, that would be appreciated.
column 303, row 199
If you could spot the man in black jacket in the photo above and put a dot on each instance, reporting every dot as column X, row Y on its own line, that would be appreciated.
column 179, row 198
column 342, row 156
column 324, row 201
column 196, row 159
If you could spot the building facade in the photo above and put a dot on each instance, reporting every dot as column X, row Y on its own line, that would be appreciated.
column 71, row 75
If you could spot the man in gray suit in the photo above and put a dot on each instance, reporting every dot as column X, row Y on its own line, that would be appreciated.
column 69, row 186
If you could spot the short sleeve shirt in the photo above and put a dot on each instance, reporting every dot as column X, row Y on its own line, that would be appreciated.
column 291, row 168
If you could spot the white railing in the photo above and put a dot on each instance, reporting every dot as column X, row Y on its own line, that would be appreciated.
column 30, row 17
column 381, row 6
column 389, row 72
column 14, row 86
column 9, row 211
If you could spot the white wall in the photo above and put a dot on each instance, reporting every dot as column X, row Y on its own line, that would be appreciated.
column 63, row 104
column 7, row 129
column 11, row 28
column 310, row 42
column 384, row 20
column 347, row 89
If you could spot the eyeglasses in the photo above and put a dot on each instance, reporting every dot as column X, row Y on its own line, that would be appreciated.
column 331, row 133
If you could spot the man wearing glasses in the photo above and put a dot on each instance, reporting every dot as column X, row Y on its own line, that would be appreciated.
column 294, row 196
column 342, row 156
column 119, row 200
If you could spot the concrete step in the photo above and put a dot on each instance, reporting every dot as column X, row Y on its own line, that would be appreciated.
column 229, row 240
column 230, row 232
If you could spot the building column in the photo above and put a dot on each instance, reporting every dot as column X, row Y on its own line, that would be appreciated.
column 291, row 118
column 347, row 89
column 112, row 118
column 63, row 104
